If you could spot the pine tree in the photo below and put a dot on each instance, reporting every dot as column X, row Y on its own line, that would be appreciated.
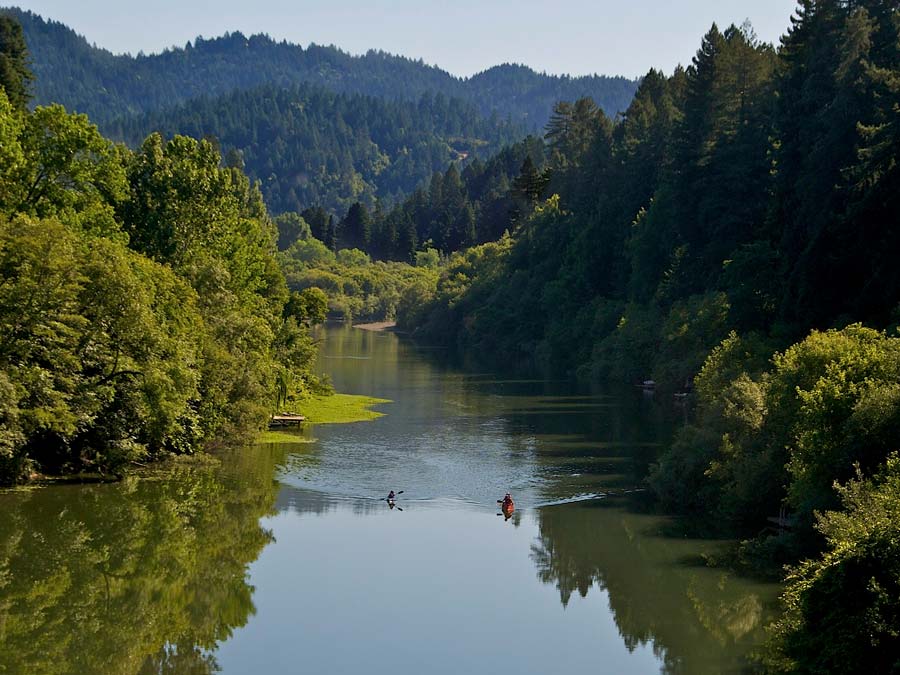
column 355, row 230
column 407, row 239
column 15, row 76
column 530, row 183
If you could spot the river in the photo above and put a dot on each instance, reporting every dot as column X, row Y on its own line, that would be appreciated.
column 286, row 559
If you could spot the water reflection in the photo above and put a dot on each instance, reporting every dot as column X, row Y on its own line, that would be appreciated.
column 575, row 445
column 698, row 620
column 143, row 576
column 178, row 573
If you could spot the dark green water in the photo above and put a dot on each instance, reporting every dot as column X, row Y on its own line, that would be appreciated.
column 282, row 559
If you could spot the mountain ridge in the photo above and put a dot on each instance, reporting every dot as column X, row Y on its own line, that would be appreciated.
column 93, row 80
column 309, row 146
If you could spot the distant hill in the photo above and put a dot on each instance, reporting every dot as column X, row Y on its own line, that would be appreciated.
column 309, row 146
column 92, row 80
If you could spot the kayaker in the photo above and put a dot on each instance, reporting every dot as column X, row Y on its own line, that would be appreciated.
column 391, row 496
column 507, row 500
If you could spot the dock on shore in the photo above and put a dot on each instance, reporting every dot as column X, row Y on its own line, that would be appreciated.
column 286, row 420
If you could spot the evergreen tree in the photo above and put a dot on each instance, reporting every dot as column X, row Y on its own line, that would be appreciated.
column 407, row 240
column 15, row 75
column 529, row 184
column 318, row 218
column 355, row 230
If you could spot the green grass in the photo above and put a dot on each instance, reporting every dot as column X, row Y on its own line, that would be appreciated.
column 340, row 409
column 334, row 409
column 283, row 437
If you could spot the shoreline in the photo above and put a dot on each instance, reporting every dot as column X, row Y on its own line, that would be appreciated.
column 377, row 326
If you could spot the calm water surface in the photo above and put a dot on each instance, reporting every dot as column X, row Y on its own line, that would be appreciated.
column 283, row 559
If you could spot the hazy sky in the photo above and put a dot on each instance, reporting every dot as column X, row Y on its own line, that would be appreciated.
column 615, row 37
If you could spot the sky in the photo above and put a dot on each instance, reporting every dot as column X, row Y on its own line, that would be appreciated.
column 578, row 37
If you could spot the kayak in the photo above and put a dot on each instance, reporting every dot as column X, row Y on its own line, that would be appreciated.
column 507, row 508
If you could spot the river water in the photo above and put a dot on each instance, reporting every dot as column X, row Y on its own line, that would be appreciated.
column 286, row 559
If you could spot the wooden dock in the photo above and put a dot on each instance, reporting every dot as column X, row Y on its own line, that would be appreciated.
column 286, row 420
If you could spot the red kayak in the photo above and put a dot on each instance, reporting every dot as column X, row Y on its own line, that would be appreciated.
column 507, row 507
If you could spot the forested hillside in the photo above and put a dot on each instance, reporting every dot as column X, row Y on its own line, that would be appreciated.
column 311, row 147
column 752, row 191
column 142, row 308
column 91, row 80
column 455, row 210
column 734, row 237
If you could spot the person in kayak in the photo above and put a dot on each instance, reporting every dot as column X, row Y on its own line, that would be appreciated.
column 391, row 496
column 507, row 501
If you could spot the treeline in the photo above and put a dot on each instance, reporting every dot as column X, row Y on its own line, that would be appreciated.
column 311, row 147
column 352, row 286
column 461, row 208
column 142, row 307
column 738, row 205
column 698, row 214
column 105, row 86
column 457, row 209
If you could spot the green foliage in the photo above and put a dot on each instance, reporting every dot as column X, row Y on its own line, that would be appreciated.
column 209, row 223
column 310, row 252
column 460, row 208
column 12, row 157
column 842, row 610
column 627, row 352
column 97, row 349
column 141, row 302
column 430, row 258
column 348, row 284
column 827, row 404
column 68, row 170
column 353, row 257
column 686, row 217
column 462, row 303
column 840, row 390
column 310, row 304
column 691, row 329
column 291, row 227
column 415, row 302
column 15, row 76
column 310, row 147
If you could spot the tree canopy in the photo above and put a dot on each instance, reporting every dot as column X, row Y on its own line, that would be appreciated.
column 141, row 302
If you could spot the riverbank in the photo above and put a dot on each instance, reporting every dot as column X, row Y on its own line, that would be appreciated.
column 377, row 326
column 341, row 409
column 333, row 409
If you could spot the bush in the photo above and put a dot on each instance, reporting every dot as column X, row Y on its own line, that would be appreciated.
column 842, row 610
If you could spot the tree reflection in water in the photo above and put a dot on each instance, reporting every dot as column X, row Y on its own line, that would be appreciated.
column 698, row 620
column 147, row 575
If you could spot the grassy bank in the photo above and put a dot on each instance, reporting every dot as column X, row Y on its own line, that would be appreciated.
column 341, row 409
column 283, row 437
column 334, row 409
